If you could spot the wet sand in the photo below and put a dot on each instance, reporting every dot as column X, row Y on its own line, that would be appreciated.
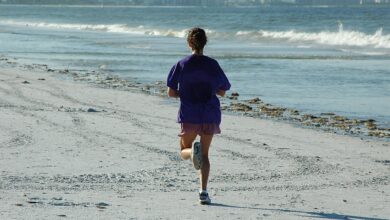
column 79, row 151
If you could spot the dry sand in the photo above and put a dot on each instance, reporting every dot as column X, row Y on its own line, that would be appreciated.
column 60, row 161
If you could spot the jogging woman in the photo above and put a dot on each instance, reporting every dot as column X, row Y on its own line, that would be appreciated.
column 197, row 80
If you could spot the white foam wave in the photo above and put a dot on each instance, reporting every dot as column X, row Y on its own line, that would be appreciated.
column 112, row 28
column 337, row 38
column 340, row 38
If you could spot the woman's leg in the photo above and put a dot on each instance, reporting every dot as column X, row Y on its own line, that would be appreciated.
column 205, row 141
column 186, row 144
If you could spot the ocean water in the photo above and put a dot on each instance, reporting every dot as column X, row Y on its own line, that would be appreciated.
column 325, row 59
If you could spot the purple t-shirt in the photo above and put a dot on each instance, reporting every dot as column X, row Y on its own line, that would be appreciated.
column 198, row 78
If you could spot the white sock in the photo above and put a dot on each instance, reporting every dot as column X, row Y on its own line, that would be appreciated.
column 203, row 191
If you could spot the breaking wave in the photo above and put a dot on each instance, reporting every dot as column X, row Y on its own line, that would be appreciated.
column 337, row 38
column 340, row 38
column 112, row 28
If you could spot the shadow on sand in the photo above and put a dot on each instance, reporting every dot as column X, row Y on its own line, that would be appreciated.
column 303, row 213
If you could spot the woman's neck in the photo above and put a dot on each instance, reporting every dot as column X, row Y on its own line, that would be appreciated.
column 199, row 53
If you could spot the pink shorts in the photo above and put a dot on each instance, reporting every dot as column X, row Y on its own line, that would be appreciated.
column 199, row 129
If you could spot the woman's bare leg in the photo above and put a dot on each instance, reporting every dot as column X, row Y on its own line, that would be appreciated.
column 186, row 144
column 185, row 153
column 205, row 141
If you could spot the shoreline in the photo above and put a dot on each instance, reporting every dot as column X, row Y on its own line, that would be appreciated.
column 230, row 104
column 77, row 150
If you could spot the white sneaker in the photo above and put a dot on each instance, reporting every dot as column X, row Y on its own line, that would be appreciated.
column 196, row 155
column 204, row 198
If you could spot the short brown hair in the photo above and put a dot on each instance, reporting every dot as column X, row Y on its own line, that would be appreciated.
column 196, row 38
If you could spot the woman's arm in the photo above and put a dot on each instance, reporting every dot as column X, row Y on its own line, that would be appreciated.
column 221, row 92
column 173, row 93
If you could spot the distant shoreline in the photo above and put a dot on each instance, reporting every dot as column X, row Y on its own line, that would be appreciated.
column 196, row 6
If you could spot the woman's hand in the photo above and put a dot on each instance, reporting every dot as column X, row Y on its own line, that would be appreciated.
column 221, row 93
column 173, row 93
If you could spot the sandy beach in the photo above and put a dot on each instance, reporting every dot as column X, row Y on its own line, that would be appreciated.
column 72, row 150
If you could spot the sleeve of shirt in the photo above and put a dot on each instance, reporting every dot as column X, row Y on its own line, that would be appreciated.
column 224, row 83
column 173, row 76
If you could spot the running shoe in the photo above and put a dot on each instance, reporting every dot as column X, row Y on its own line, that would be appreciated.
column 196, row 155
column 204, row 198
